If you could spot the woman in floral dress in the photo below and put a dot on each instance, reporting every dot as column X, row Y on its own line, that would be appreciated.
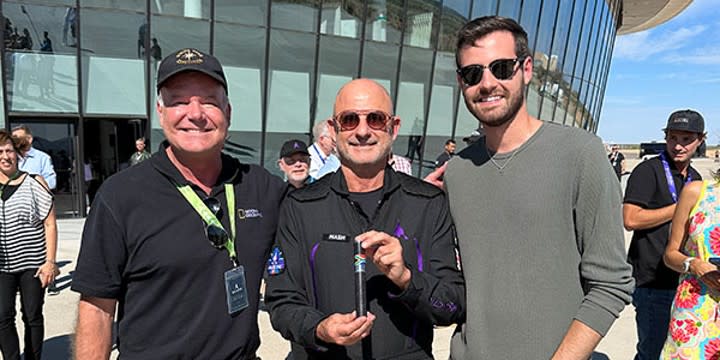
column 694, row 331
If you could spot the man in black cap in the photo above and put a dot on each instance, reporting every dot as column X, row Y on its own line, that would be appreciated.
column 295, row 162
column 652, row 192
column 165, row 257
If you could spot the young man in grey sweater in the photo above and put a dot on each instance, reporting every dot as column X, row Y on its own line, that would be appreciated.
column 541, row 243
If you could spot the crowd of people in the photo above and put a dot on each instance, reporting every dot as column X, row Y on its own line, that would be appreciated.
column 361, row 259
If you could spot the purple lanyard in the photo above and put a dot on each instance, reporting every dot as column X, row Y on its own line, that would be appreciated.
column 669, row 178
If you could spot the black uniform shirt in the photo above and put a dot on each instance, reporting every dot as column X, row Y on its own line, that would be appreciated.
column 647, row 187
column 148, row 250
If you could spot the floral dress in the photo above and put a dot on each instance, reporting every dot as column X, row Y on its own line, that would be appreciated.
column 694, row 331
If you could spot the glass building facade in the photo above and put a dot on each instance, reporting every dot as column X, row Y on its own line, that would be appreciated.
column 84, row 81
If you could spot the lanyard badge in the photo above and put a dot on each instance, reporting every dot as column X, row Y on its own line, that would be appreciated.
column 235, row 289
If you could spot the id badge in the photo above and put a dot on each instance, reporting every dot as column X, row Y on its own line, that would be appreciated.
column 235, row 290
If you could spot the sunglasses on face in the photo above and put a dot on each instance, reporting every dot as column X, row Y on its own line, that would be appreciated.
column 502, row 69
column 217, row 235
column 350, row 119
column 290, row 161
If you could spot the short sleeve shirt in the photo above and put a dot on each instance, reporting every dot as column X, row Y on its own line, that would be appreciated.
column 647, row 188
column 148, row 250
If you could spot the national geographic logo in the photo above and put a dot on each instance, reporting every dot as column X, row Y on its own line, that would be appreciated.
column 248, row 214
column 188, row 56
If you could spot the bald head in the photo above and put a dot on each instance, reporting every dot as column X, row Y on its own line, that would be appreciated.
column 362, row 94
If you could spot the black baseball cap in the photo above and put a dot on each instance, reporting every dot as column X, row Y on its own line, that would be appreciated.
column 294, row 146
column 190, row 60
column 686, row 120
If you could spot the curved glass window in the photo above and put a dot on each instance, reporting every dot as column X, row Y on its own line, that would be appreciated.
column 241, row 51
column 133, row 5
column 40, row 60
column 114, row 52
column 338, row 65
column 294, row 15
column 291, row 88
column 483, row 8
column 342, row 18
column 509, row 8
column 422, row 24
column 199, row 9
column 384, row 21
column 412, row 100
column 380, row 62
column 250, row 12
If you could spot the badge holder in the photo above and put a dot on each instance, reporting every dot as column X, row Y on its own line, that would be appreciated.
column 235, row 290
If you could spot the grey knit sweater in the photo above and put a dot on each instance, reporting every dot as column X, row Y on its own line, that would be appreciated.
column 541, row 243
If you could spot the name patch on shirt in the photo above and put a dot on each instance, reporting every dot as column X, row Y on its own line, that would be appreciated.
column 249, row 214
column 336, row 237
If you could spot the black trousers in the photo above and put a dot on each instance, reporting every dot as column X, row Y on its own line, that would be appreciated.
column 32, row 297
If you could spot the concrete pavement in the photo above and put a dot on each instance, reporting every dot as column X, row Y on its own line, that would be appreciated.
column 60, row 310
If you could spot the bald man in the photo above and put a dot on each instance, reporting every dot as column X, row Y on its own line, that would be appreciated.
column 403, row 225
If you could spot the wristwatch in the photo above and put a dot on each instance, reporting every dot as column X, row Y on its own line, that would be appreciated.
column 686, row 264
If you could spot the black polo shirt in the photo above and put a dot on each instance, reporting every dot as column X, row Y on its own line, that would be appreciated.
column 647, row 187
column 145, row 246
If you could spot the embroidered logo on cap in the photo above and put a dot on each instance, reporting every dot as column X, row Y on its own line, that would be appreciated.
column 188, row 56
column 276, row 262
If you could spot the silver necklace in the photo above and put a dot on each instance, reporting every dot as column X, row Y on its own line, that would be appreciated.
column 496, row 163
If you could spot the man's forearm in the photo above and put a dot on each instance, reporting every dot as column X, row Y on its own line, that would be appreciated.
column 578, row 344
column 93, row 334
column 637, row 218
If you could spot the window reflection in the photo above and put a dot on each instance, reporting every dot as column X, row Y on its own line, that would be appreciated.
column 509, row 8
column 175, row 33
column 338, row 65
column 298, row 15
column 342, row 18
column 380, row 63
column 40, row 67
column 240, row 49
column 134, row 5
column 484, row 8
column 412, row 99
column 251, row 12
column 422, row 23
column 292, row 56
column 199, row 9
column 384, row 20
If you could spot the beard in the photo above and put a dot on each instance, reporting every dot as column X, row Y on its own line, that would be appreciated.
column 514, row 103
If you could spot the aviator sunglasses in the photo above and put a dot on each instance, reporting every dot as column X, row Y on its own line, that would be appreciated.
column 502, row 69
column 217, row 235
column 350, row 119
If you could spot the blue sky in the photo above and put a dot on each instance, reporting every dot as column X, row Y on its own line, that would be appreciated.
column 672, row 66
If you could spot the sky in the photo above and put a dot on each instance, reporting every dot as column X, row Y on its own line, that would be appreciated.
column 673, row 66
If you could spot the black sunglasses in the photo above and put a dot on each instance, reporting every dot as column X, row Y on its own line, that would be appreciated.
column 350, row 119
column 289, row 161
column 502, row 69
column 217, row 235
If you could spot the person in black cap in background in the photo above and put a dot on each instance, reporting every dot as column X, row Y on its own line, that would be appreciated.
column 295, row 162
column 650, row 197
column 165, row 257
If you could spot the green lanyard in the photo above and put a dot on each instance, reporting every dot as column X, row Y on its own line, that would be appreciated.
column 210, row 218
column 10, row 179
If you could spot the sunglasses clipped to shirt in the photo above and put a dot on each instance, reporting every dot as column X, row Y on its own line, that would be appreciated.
column 501, row 69
column 217, row 235
column 350, row 119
